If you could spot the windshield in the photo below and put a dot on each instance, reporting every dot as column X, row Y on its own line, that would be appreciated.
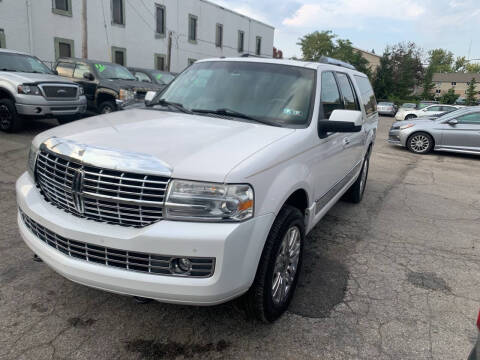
column 279, row 94
column 163, row 78
column 113, row 71
column 22, row 63
column 385, row 104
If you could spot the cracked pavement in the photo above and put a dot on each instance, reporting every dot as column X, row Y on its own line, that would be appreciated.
column 395, row 277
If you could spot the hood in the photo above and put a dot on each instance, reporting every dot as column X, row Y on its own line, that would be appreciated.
column 194, row 147
column 22, row 77
column 130, row 84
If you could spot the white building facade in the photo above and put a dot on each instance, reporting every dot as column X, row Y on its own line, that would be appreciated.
column 137, row 33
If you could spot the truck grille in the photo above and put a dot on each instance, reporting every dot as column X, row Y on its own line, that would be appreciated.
column 111, row 196
column 128, row 260
column 60, row 91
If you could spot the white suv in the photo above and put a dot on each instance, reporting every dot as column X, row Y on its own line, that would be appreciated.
column 206, row 194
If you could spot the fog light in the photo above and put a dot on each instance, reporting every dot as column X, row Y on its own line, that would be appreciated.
column 181, row 266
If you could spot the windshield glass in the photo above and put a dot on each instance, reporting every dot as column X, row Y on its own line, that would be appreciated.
column 385, row 104
column 280, row 94
column 163, row 78
column 22, row 63
column 113, row 71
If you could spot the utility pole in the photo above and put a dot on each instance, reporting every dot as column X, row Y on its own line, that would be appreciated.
column 169, row 51
column 84, row 30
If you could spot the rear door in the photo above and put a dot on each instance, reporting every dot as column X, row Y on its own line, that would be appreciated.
column 465, row 135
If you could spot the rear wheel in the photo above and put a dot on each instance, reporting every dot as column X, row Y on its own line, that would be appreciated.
column 356, row 191
column 106, row 107
column 9, row 119
column 279, row 267
column 420, row 143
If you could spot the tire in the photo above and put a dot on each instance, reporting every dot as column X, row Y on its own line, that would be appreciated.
column 106, row 107
column 420, row 143
column 9, row 119
column 62, row 120
column 355, row 193
column 411, row 116
column 261, row 301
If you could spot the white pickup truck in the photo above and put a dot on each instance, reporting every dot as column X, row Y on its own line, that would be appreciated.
column 207, row 194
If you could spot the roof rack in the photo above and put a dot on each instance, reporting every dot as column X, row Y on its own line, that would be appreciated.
column 332, row 61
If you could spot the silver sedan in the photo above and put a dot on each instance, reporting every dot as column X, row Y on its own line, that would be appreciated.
column 457, row 131
column 387, row 108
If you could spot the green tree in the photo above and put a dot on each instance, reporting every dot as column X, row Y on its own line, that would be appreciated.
column 449, row 97
column 472, row 68
column 343, row 50
column 428, row 85
column 317, row 44
column 471, row 98
column 460, row 64
column 440, row 60
column 383, row 80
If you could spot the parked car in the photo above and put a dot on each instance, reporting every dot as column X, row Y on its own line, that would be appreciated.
column 475, row 354
column 387, row 108
column 29, row 89
column 457, row 131
column 407, row 114
column 408, row 106
column 108, row 87
column 208, row 193
column 425, row 103
column 161, row 78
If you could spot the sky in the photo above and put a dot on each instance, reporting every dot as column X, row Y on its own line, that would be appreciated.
column 371, row 24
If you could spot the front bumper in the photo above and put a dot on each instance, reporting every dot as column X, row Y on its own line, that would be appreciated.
column 41, row 107
column 236, row 248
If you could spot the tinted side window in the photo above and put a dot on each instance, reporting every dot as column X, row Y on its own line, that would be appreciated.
column 367, row 95
column 329, row 96
column 347, row 92
column 473, row 118
column 448, row 108
column 142, row 76
column 435, row 108
column 65, row 69
column 80, row 70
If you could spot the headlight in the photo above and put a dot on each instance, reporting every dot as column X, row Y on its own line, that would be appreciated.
column 81, row 91
column 197, row 201
column 29, row 90
column 32, row 160
column 406, row 126
column 126, row 95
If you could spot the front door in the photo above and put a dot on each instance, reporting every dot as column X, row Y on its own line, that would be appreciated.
column 464, row 135
column 89, row 86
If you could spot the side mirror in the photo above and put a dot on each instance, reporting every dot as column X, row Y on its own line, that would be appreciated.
column 341, row 121
column 55, row 72
column 88, row 76
column 149, row 96
column 452, row 122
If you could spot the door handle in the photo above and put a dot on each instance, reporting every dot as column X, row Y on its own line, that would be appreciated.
column 346, row 141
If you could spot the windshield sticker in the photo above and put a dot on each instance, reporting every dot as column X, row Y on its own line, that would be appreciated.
column 288, row 111
column 100, row 67
column 159, row 76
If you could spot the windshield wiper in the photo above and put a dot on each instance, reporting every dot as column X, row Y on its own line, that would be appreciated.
column 229, row 112
column 178, row 106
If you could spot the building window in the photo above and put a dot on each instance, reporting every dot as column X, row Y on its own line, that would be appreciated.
column 64, row 48
column 192, row 28
column 438, row 91
column 241, row 41
column 118, row 12
column 191, row 61
column 160, row 17
column 258, row 46
column 62, row 7
column 160, row 62
column 454, row 83
column 219, row 35
column 119, row 55
column 3, row 42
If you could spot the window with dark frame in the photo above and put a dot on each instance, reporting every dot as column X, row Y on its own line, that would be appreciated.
column 160, row 62
column 118, row 12
column 62, row 5
column 219, row 35
column 241, row 41
column 258, row 46
column 329, row 94
column 192, row 28
column 348, row 93
column 2, row 39
column 64, row 49
column 160, row 17
column 119, row 56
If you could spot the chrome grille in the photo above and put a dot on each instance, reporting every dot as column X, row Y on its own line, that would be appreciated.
column 60, row 91
column 111, row 196
column 128, row 260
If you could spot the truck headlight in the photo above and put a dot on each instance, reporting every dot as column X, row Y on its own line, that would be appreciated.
column 126, row 95
column 29, row 90
column 32, row 160
column 81, row 91
column 197, row 201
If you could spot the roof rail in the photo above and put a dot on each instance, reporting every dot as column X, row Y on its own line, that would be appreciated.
column 332, row 61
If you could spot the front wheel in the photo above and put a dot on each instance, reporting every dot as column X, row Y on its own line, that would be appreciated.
column 279, row 267
column 420, row 143
column 107, row 107
column 9, row 119
column 409, row 117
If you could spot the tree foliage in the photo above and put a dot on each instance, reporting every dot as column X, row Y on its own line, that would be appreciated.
column 449, row 97
column 440, row 60
column 428, row 85
column 472, row 68
column 325, row 43
column 471, row 99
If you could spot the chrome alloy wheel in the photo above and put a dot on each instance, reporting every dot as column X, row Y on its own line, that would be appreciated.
column 5, row 117
column 286, row 265
column 419, row 143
